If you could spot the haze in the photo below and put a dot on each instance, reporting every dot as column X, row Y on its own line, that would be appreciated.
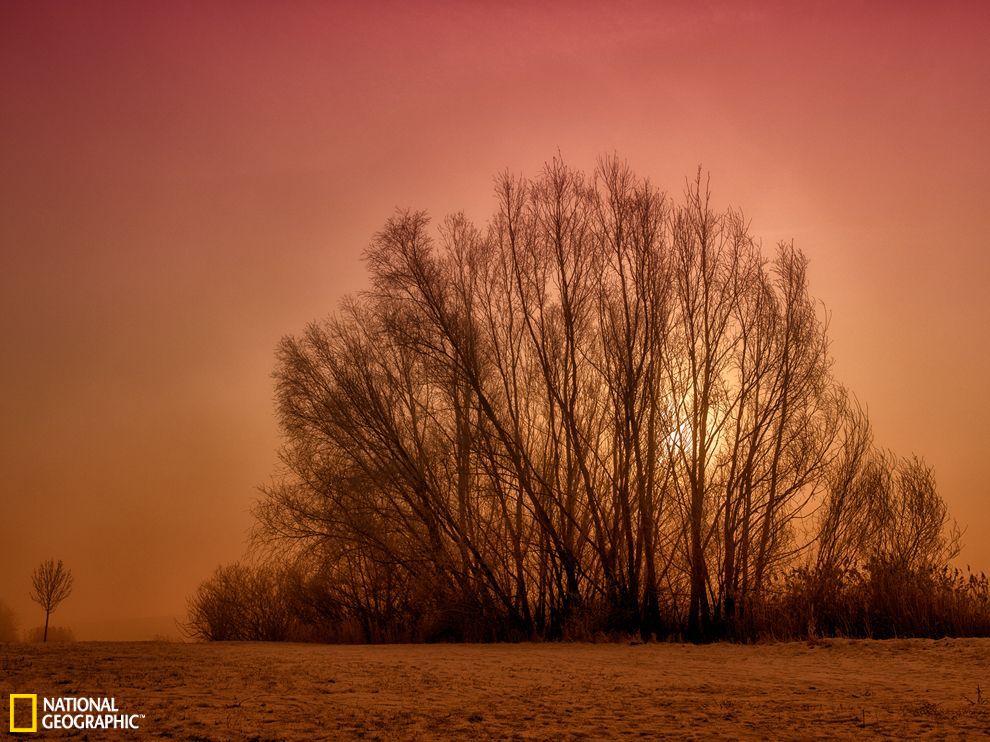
column 182, row 184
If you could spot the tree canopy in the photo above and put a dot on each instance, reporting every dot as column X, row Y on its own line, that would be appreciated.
column 607, row 409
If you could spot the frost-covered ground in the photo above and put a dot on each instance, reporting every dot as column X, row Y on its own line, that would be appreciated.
column 900, row 689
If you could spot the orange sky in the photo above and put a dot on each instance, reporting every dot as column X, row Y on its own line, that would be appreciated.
column 183, row 183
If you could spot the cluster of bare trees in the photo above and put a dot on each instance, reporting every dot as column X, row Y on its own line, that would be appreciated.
column 606, row 410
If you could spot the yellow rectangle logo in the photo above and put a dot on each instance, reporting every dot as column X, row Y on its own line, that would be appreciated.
column 34, row 712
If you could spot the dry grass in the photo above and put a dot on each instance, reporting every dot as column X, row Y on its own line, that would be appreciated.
column 834, row 688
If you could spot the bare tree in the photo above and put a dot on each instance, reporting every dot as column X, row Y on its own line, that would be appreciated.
column 605, row 409
column 52, row 583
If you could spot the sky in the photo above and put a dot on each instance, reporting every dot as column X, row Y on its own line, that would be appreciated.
column 183, row 183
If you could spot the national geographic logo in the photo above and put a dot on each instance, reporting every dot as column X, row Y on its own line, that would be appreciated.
column 32, row 703
column 68, row 713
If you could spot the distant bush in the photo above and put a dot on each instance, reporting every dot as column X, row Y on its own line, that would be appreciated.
column 8, row 624
column 55, row 634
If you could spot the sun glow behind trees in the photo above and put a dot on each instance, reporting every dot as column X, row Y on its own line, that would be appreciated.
column 604, row 411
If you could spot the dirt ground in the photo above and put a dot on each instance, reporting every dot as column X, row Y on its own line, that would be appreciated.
column 834, row 689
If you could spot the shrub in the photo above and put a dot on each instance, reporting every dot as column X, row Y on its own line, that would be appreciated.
column 8, row 624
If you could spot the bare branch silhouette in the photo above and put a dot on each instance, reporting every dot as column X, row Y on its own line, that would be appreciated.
column 52, row 584
column 607, row 410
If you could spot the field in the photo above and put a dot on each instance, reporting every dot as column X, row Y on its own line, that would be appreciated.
column 840, row 688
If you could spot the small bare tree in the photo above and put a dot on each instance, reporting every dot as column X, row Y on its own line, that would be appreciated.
column 52, row 582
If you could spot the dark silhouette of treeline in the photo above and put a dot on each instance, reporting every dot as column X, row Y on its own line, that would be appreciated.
column 605, row 413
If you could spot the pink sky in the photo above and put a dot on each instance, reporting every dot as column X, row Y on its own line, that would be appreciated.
column 183, row 183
